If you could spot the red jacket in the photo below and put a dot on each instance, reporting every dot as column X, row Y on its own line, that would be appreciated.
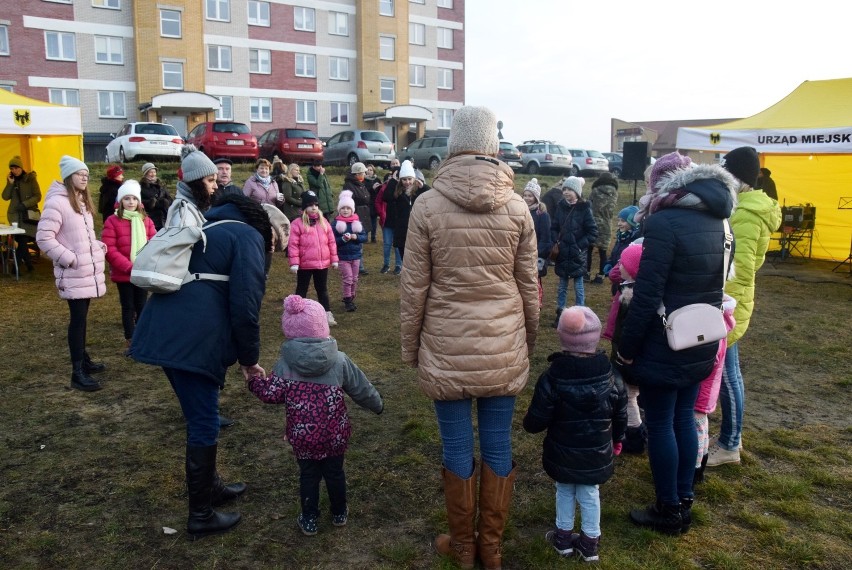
column 116, row 236
column 311, row 247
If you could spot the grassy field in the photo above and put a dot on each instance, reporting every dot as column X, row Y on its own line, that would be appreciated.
column 91, row 480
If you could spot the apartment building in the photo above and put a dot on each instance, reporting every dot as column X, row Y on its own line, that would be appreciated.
column 328, row 65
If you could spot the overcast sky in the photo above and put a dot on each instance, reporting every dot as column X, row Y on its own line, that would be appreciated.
column 561, row 69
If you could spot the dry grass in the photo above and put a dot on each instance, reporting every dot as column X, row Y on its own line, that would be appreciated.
column 90, row 480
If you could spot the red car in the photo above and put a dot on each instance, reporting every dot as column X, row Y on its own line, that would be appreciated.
column 226, row 139
column 291, row 145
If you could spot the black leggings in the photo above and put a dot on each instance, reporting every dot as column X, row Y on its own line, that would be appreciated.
column 303, row 279
column 311, row 472
column 132, row 299
column 79, row 309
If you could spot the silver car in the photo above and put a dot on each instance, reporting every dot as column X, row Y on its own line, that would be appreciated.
column 545, row 156
column 427, row 152
column 349, row 147
column 150, row 140
column 588, row 162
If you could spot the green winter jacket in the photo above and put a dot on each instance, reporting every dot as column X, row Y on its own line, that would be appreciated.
column 319, row 184
column 753, row 222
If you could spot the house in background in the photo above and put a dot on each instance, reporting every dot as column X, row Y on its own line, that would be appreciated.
column 661, row 136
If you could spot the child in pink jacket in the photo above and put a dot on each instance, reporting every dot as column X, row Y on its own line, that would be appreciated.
column 708, row 393
column 125, row 233
column 312, row 250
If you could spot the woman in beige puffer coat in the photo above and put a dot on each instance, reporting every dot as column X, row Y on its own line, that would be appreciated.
column 469, row 323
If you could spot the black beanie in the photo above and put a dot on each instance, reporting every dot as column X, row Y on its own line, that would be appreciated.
column 744, row 164
column 309, row 197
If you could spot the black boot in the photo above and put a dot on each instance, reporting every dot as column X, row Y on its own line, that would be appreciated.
column 350, row 306
column 686, row 514
column 659, row 517
column 80, row 379
column 90, row 366
column 200, row 479
column 223, row 493
column 558, row 314
column 634, row 439
column 699, row 471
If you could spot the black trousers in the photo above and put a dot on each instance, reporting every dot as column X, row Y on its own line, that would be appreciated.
column 132, row 299
column 311, row 472
column 79, row 309
column 320, row 277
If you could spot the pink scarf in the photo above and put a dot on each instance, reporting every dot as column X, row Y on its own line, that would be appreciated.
column 357, row 228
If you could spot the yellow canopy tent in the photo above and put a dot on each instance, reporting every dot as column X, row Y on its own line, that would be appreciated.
column 806, row 141
column 40, row 133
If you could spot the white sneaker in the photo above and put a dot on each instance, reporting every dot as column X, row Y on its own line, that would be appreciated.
column 330, row 317
column 720, row 456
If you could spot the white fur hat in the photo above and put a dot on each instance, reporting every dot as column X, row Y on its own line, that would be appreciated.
column 406, row 169
column 346, row 200
column 129, row 188
column 68, row 165
column 474, row 129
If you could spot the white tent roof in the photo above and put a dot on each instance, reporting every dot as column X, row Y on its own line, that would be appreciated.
column 21, row 115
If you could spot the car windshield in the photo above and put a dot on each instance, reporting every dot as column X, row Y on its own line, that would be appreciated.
column 374, row 136
column 506, row 146
column 558, row 149
column 299, row 134
column 156, row 129
column 596, row 154
column 238, row 128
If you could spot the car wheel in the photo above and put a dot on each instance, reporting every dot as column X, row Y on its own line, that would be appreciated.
column 616, row 172
column 121, row 157
column 434, row 163
column 532, row 168
column 575, row 171
column 353, row 158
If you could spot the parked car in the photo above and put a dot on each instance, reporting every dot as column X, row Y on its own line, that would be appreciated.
column 349, row 147
column 510, row 155
column 149, row 140
column 224, row 139
column 616, row 160
column 545, row 156
column 301, row 146
column 427, row 152
column 588, row 162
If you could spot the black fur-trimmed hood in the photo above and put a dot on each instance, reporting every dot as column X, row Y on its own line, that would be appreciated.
column 714, row 185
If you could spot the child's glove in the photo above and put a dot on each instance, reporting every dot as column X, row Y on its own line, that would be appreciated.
column 334, row 265
column 294, row 268
column 616, row 448
column 607, row 268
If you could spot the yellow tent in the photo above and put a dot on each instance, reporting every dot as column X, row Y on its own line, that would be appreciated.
column 40, row 133
column 806, row 141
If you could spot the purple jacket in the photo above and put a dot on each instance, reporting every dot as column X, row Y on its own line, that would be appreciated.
column 68, row 238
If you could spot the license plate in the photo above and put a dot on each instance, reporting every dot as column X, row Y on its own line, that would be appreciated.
column 305, row 146
column 517, row 164
column 158, row 142
column 236, row 141
column 380, row 156
column 561, row 159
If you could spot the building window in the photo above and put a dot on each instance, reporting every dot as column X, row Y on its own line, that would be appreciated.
column 417, row 1
column 417, row 75
column 304, row 19
column 109, row 50
column 386, row 7
column 338, row 68
column 387, row 47
column 60, row 45
column 445, row 118
column 445, row 38
column 260, row 61
column 226, row 111
column 306, row 111
column 445, row 4
column 339, row 113
column 170, row 23
column 338, row 24
column 111, row 104
column 111, row 4
column 387, row 91
column 445, row 79
column 218, row 10
column 4, row 40
column 306, row 65
column 68, row 97
column 219, row 58
column 260, row 109
column 417, row 34
column 7, row 87
column 258, row 13
column 172, row 75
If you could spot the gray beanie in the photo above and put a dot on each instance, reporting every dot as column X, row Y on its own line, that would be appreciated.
column 474, row 129
column 575, row 183
column 68, row 165
column 194, row 164
column 148, row 166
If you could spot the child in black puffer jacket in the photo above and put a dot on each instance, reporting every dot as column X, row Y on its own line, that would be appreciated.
column 584, row 410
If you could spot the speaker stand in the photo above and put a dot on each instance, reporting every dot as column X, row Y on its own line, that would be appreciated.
column 635, row 182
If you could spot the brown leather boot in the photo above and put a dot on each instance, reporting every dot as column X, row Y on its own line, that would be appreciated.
column 460, row 497
column 495, row 495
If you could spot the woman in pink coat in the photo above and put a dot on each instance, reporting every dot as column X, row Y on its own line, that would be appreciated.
column 312, row 250
column 261, row 187
column 125, row 233
column 66, row 234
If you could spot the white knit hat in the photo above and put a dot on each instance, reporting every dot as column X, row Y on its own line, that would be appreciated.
column 346, row 200
column 358, row 168
column 68, row 165
column 129, row 188
column 195, row 165
column 474, row 129
column 533, row 187
column 406, row 169
column 575, row 183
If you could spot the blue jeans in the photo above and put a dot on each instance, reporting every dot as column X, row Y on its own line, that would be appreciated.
column 562, row 292
column 588, row 497
column 199, row 400
column 672, row 440
column 732, row 399
column 387, row 244
column 455, row 422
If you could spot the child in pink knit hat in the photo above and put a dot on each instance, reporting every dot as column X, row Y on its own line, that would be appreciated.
column 310, row 379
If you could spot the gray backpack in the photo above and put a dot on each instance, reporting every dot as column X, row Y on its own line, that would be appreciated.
column 162, row 265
